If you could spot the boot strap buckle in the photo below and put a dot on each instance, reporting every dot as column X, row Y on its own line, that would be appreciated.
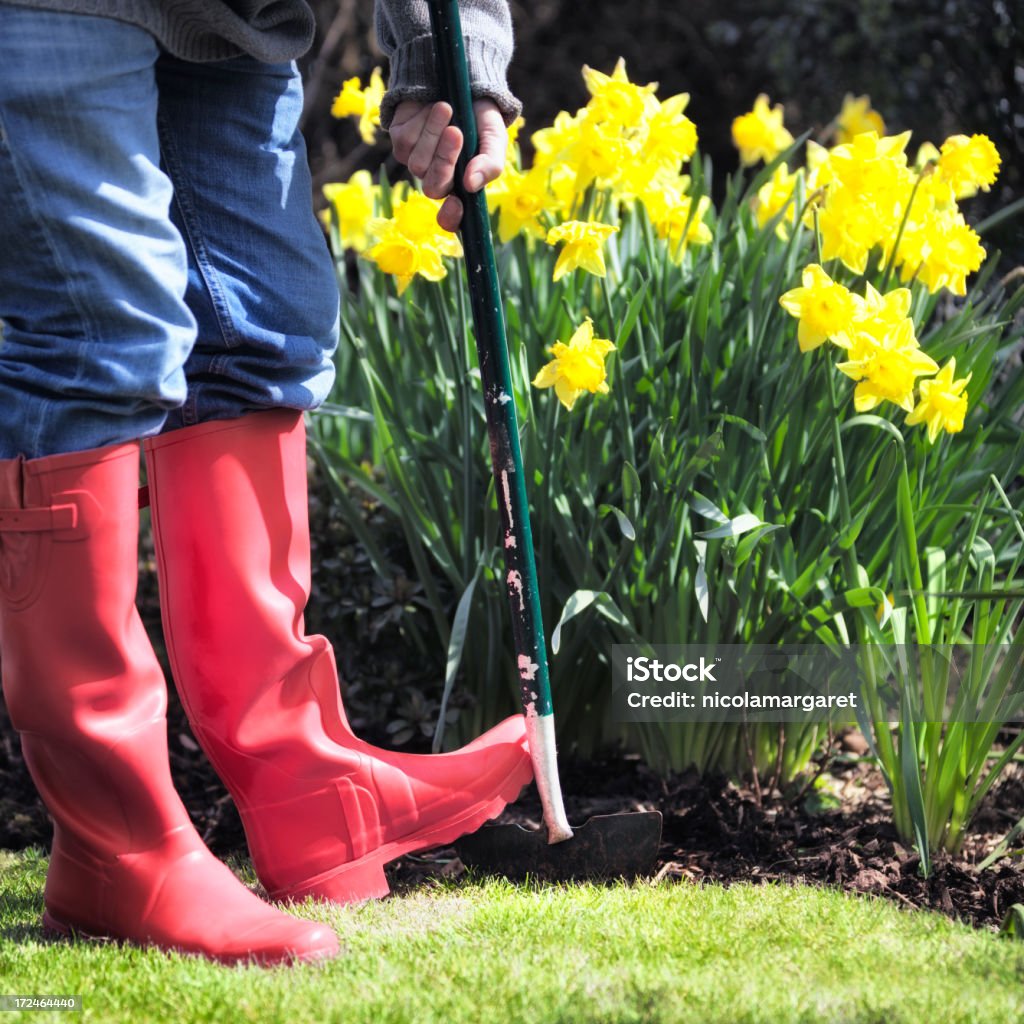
column 38, row 520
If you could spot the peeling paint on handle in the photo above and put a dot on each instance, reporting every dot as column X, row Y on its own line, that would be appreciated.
column 528, row 669
column 515, row 586
column 507, row 495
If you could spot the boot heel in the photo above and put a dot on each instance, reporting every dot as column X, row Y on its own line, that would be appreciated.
column 53, row 928
column 354, row 883
column 56, row 929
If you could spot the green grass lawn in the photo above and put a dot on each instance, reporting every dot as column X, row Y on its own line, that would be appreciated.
column 504, row 953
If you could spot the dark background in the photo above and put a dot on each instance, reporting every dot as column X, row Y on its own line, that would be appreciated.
column 937, row 67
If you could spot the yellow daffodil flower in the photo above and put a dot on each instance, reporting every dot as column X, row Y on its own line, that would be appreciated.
column 674, row 219
column 522, row 199
column 411, row 242
column 512, row 143
column 349, row 102
column 671, row 135
column 927, row 153
column 615, row 99
column 882, row 313
column 943, row 404
column 819, row 166
column 969, row 164
column 850, row 228
column 759, row 134
column 857, row 117
column 887, row 367
column 951, row 250
column 352, row 202
column 871, row 162
column 354, row 101
column 583, row 246
column 773, row 196
column 600, row 153
column 576, row 367
column 875, row 316
column 824, row 308
column 550, row 145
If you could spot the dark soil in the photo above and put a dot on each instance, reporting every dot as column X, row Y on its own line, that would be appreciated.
column 717, row 831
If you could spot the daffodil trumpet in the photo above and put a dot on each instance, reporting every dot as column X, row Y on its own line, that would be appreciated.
column 507, row 464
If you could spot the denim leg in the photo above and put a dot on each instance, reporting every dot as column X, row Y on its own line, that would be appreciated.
column 261, row 282
column 92, row 270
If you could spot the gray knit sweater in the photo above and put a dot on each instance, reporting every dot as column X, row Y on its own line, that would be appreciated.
column 281, row 30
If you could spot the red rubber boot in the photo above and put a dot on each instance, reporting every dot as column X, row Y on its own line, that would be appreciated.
column 86, row 693
column 323, row 811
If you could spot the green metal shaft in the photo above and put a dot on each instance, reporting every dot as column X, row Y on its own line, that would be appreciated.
column 495, row 372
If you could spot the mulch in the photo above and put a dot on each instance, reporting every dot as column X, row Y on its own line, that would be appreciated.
column 718, row 831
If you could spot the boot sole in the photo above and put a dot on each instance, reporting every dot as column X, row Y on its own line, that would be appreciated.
column 56, row 929
column 364, row 879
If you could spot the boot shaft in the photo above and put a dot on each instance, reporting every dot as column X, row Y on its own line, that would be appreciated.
column 231, row 529
column 80, row 679
column 68, row 576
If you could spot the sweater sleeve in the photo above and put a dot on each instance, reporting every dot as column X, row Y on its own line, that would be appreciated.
column 403, row 30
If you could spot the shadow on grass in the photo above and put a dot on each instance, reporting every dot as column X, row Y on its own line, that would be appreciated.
column 21, row 918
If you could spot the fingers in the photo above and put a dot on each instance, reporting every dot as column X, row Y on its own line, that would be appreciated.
column 450, row 214
column 425, row 140
column 492, row 137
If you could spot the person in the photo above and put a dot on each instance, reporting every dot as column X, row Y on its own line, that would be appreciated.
column 163, row 280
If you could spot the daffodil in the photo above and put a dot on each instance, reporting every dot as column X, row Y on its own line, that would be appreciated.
column 943, row 404
column 671, row 136
column 355, row 101
column 857, row 117
column 887, row 368
column 352, row 203
column 550, row 145
column 969, row 164
column 927, row 153
column 824, row 308
column 819, row 166
column 576, row 367
column 868, row 189
column 882, row 312
column 760, row 134
column 773, row 196
column 349, row 102
column 512, row 142
column 941, row 251
column 850, row 228
column 875, row 317
column 520, row 202
column 600, row 152
column 615, row 99
column 955, row 252
column 674, row 217
column 584, row 241
column 872, row 163
column 411, row 242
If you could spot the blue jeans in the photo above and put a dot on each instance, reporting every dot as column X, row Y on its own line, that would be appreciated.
column 160, row 263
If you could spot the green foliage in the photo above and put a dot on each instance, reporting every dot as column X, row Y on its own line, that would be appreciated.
column 721, row 486
column 699, row 500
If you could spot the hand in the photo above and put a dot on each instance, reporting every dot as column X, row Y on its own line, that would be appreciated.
column 425, row 140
